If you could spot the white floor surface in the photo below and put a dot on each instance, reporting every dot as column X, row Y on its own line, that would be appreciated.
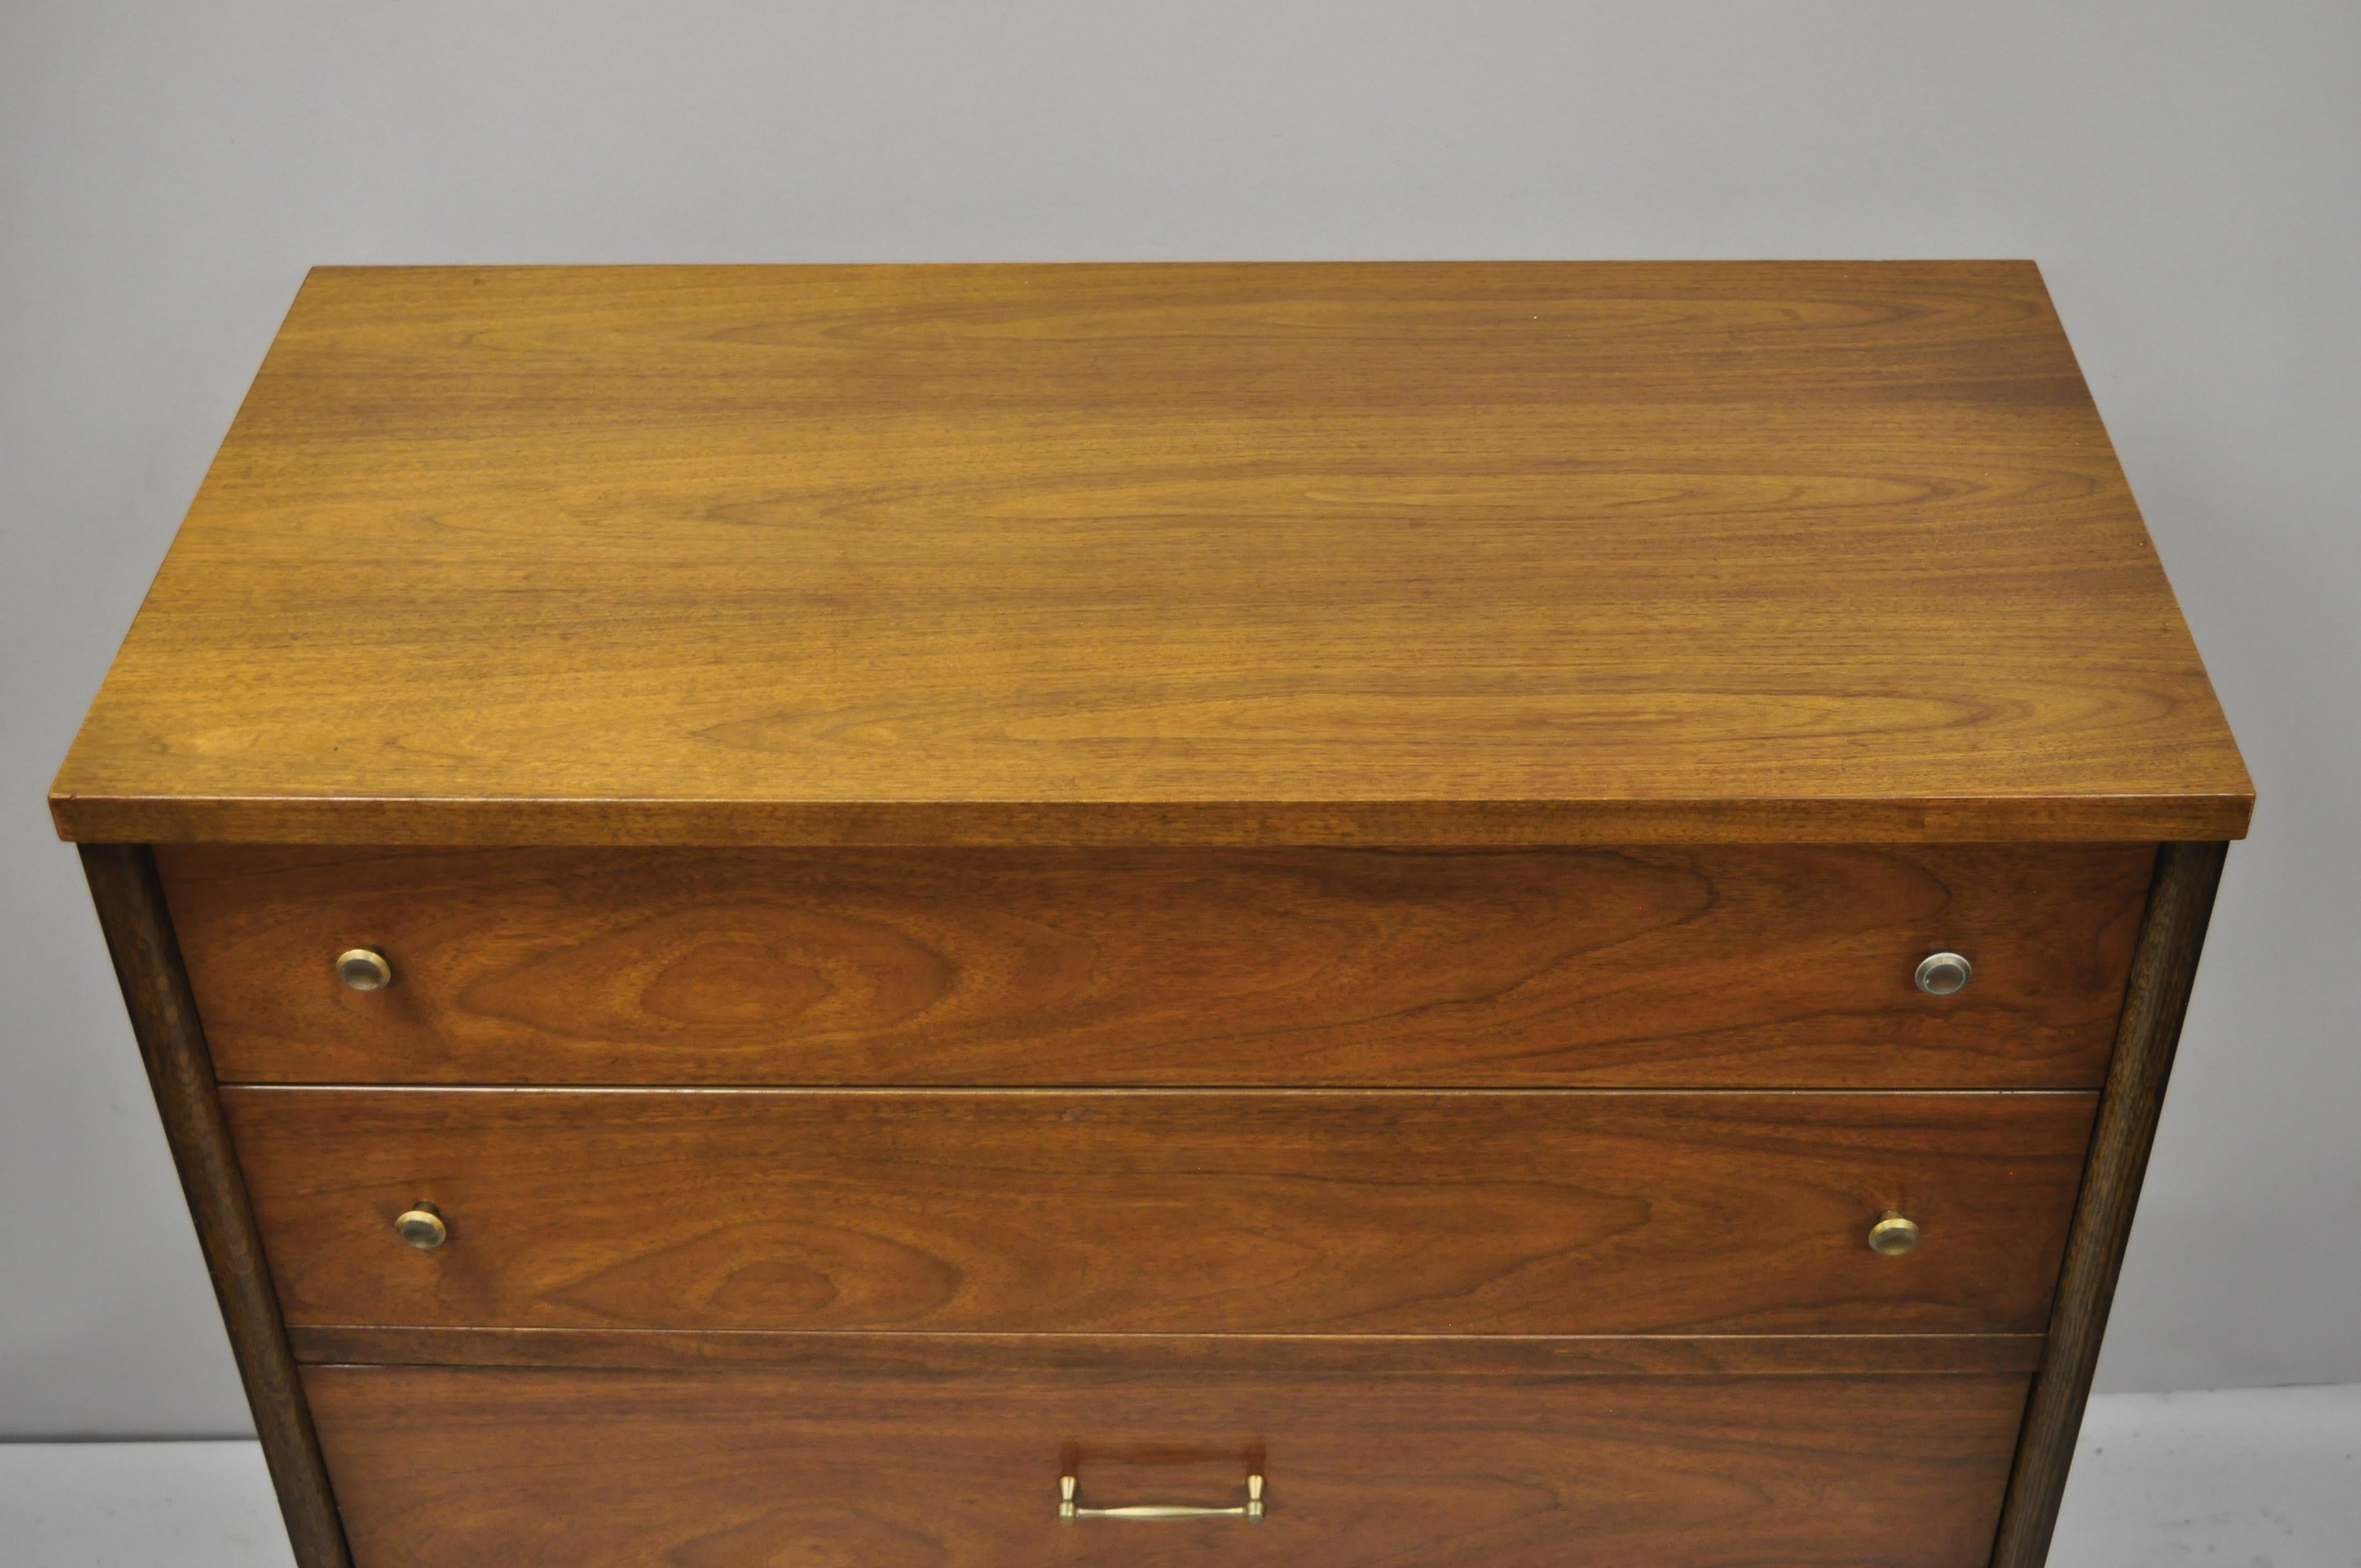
column 2247, row 1478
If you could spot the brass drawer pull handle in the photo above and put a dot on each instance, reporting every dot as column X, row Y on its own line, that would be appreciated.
column 1069, row 1510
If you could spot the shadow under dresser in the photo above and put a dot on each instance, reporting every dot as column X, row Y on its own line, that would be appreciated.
column 1326, row 915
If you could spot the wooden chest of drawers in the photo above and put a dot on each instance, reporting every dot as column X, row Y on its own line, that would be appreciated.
column 1330, row 914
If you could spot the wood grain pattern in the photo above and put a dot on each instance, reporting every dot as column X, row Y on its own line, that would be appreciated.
column 130, row 902
column 2163, row 975
column 503, row 1468
column 1164, row 1211
column 1358, row 1355
column 1450, row 554
column 1714, row 966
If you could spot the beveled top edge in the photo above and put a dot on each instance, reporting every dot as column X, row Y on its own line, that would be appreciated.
column 1461, row 824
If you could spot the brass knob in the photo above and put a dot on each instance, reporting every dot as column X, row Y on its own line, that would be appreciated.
column 423, row 1227
column 1893, row 1234
column 364, row 969
column 1939, row 974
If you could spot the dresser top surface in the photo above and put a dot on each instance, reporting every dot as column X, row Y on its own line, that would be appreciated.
column 1463, row 552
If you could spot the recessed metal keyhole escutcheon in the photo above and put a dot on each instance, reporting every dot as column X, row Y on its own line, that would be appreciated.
column 1940, row 974
column 364, row 969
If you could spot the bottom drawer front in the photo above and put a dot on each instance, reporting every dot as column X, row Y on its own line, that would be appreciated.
column 455, row 1467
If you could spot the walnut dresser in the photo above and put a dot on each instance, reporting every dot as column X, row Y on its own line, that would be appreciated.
column 1448, row 915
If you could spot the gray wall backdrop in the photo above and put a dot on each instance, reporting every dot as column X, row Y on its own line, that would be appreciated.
column 2188, row 175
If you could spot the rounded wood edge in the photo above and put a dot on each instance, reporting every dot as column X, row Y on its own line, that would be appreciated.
column 91, row 819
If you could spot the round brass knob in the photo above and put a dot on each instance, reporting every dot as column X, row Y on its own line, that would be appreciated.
column 423, row 1227
column 1939, row 974
column 364, row 969
column 1893, row 1235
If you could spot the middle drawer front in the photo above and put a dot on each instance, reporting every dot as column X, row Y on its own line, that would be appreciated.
column 1239, row 1211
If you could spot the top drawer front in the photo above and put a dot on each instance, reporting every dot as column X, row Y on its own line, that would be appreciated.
column 1760, row 967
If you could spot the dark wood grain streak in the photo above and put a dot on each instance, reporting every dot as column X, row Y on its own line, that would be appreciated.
column 1286, row 1211
column 132, row 912
column 1760, row 967
column 513, row 1468
column 2163, row 971
column 1361, row 1356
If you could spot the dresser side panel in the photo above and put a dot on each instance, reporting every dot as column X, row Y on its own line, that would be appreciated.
column 138, row 926
column 2164, row 971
